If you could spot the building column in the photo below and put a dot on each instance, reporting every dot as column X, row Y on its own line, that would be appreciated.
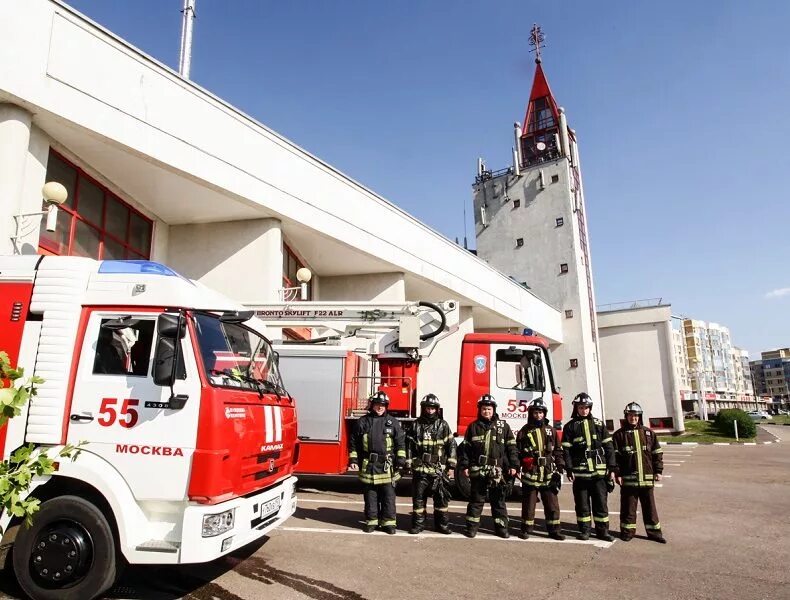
column 15, row 123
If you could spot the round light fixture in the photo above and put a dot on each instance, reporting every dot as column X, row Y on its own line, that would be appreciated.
column 304, row 275
column 54, row 192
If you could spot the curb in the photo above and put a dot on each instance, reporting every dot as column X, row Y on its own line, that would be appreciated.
column 718, row 443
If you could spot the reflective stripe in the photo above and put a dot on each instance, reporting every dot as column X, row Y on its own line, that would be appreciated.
column 566, row 444
column 583, row 519
column 653, row 527
column 441, row 508
column 365, row 442
column 388, row 522
column 352, row 454
column 473, row 519
column 401, row 453
column 628, row 526
column 638, row 447
column 528, row 522
column 588, row 441
column 502, row 522
column 372, row 522
column 658, row 451
column 553, row 522
column 601, row 519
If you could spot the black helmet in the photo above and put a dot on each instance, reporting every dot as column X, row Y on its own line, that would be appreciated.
column 583, row 399
column 379, row 398
column 430, row 400
column 632, row 407
column 537, row 404
column 486, row 400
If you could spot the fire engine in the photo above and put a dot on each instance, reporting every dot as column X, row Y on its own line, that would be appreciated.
column 188, row 437
column 366, row 347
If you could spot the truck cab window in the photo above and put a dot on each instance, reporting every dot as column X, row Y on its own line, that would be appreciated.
column 520, row 370
column 124, row 351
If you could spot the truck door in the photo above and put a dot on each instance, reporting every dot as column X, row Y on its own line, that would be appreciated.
column 123, row 416
column 518, row 375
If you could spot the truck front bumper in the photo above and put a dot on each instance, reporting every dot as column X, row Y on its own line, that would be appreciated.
column 253, row 517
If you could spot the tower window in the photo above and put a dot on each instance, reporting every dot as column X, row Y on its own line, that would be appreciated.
column 568, row 314
column 516, row 203
column 559, row 221
column 564, row 268
column 519, row 242
column 555, row 178
column 574, row 363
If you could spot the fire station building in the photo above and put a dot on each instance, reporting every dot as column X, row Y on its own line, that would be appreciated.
column 158, row 168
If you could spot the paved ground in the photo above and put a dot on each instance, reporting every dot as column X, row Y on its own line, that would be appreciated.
column 724, row 510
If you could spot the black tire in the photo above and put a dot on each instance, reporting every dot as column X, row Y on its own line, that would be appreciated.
column 68, row 526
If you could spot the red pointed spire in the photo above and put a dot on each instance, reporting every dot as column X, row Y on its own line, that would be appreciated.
column 542, row 110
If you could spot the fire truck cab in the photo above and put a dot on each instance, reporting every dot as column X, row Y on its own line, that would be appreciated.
column 188, row 436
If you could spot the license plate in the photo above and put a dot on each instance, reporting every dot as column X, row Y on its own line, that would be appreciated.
column 270, row 507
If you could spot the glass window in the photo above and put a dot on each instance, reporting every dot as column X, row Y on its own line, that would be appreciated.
column 236, row 356
column 93, row 222
column 62, row 172
column 86, row 240
column 91, row 202
column 117, row 218
column 518, row 369
column 124, row 347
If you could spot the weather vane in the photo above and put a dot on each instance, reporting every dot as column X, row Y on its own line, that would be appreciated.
column 536, row 39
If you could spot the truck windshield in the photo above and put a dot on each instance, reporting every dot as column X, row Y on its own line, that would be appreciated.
column 236, row 356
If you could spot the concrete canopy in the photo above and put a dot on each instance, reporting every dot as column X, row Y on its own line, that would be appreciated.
column 188, row 157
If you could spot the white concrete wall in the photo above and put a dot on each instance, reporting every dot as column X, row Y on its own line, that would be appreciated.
column 537, row 262
column 241, row 259
column 373, row 287
column 15, row 124
column 637, row 363
column 439, row 372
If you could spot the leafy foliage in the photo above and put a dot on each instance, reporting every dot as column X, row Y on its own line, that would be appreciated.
column 27, row 462
column 726, row 417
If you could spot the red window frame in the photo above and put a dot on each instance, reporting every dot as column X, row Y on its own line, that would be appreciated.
column 288, row 255
column 129, row 251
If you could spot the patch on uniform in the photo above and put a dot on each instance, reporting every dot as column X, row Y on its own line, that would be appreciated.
column 480, row 363
column 549, row 431
column 388, row 430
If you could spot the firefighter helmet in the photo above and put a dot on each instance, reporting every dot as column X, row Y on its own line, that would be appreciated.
column 632, row 407
column 583, row 399
column 537, row 404
column 486, row 400
column 379, row 398
column 430, row 400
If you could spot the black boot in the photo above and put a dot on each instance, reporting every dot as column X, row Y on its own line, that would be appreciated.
column 556, row 534
column 470, row 532
column 603, row 534
column 367, row 528
column 658, row 537
column 389, row 529
column 626, row 535
column 441, row 522
column 503, row 533
column 525, row 532
column 583, row 535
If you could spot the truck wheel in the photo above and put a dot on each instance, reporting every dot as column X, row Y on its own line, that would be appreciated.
column 67, row 554
column 463, row 484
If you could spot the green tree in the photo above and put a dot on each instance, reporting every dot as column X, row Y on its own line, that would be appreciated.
column 27, row 461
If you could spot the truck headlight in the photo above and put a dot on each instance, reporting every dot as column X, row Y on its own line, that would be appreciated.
column 220, row 523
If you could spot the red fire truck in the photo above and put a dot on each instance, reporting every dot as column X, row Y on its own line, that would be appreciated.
column 189, row 438
column 383, row 347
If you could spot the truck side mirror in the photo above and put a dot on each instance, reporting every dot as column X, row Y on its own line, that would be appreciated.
column 168, row 363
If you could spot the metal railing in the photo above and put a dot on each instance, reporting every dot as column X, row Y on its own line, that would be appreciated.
column 646, row 303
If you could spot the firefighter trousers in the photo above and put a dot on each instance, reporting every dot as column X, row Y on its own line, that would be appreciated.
column 422, row 488
column 629, row 497
column 587, row 492
column 477, row 498
column 551, row 507
column 379, row 504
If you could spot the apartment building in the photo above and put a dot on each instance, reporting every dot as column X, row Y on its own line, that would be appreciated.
column 771, row 376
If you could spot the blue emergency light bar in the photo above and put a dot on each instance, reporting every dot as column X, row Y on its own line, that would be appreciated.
column 528, row 331
column 138, row 267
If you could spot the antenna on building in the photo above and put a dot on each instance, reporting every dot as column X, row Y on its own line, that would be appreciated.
column 536, row 39
column 187, row 23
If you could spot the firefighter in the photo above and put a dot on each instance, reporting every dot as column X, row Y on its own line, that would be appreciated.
column 589, row 463
column 640, row 463
column 378, row 452
column 433, row 456
column 542, row 463
column 488, row 457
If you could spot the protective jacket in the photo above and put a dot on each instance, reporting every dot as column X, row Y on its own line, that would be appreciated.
column 488, row 444
column 539, row 452
column 638, row 455
column 378, row 447
column 431, row 445
column 588, row 447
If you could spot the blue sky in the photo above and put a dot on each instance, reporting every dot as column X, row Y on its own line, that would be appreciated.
column 681, row 110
